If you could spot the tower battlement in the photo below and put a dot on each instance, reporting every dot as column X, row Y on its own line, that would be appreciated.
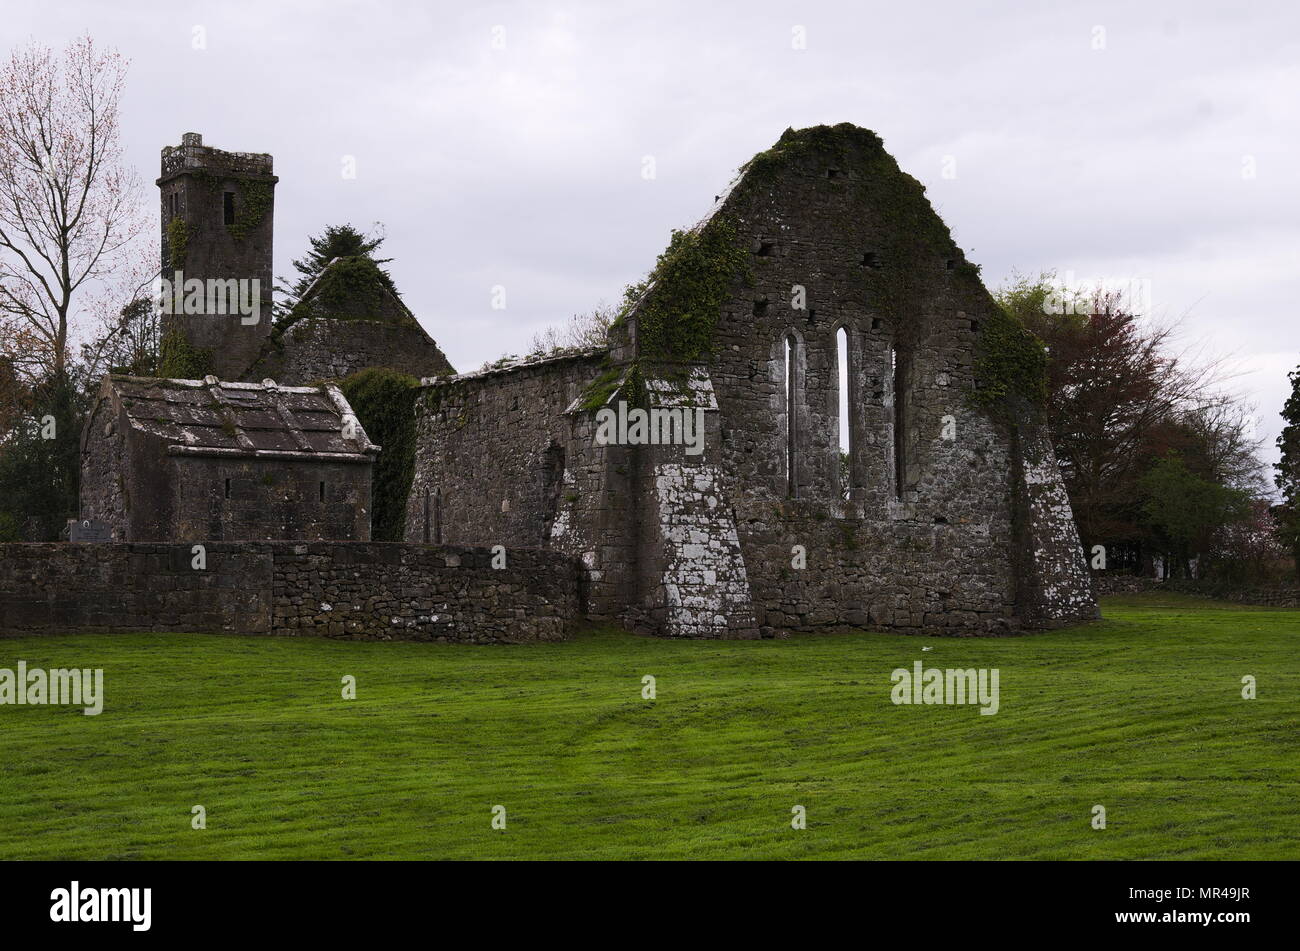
column 193, row 154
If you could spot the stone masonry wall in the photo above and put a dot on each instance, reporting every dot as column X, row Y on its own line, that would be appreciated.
column 500, row 462
column 361, row 591
column 220, row 499
column 65, row 588
column 493, row 448
column 103, row 468
column 947, row 518
column 923, row 536
column 408, row 592
column 320, row 349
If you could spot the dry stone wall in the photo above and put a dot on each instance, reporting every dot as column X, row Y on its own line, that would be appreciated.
column 353, row 590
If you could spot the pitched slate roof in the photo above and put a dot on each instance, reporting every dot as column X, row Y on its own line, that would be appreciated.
column 215, row 418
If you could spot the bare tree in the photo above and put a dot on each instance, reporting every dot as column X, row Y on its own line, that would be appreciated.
column 124, row 326
column 580, row 333
column 69, row 206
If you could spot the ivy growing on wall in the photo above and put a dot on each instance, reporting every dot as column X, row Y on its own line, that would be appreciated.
column 254, row 202
column 677, row 307
column 1010, row 365
column 384, row 401
column 351, row 288
column 179, row 360
column 628, row 380
column 599, row 390
column 911, row 245
column 683, row 295
column 178, row 240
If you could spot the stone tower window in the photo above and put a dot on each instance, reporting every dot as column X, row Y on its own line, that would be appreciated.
column 228, row 208
column 871, row 259
column 322, row 491
column 227, row 488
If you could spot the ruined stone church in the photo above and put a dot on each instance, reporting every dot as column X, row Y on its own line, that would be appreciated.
column 946, row 513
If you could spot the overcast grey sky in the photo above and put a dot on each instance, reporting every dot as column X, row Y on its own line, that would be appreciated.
column 1128, row 140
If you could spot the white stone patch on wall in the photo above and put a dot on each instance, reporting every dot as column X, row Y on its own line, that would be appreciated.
column 706, row 588
column 696, row 392
column 560, row 527
column 1058, row 553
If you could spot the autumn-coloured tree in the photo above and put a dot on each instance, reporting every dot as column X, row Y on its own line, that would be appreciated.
column 70, row 208
column 1122, row 398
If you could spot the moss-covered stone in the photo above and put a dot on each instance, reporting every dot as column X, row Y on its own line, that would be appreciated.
column 353, row 288
column 1010, row 366
column 178, row 239
column 679, row 302
column 179, row 360
column 255, row 202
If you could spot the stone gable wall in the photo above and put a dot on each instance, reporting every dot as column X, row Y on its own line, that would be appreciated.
column 933, row 553
column 314, row 349
column 932, row 541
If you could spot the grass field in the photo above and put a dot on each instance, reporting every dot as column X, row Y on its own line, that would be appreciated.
column 1141, row 713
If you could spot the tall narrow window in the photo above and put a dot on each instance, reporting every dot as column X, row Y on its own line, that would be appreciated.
column 846, row 404
column 228, row 207
column 437, row 516
column 552, row 479
column 900, row 421
column 322, row 491
column 791, row 416
column 426, row 515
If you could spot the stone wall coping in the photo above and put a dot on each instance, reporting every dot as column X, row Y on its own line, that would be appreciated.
column 298, row 454
column 586, row 353
column 226, row 384
column 261, row 546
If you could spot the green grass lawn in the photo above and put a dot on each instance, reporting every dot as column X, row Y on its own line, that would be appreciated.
column 1141, row 713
